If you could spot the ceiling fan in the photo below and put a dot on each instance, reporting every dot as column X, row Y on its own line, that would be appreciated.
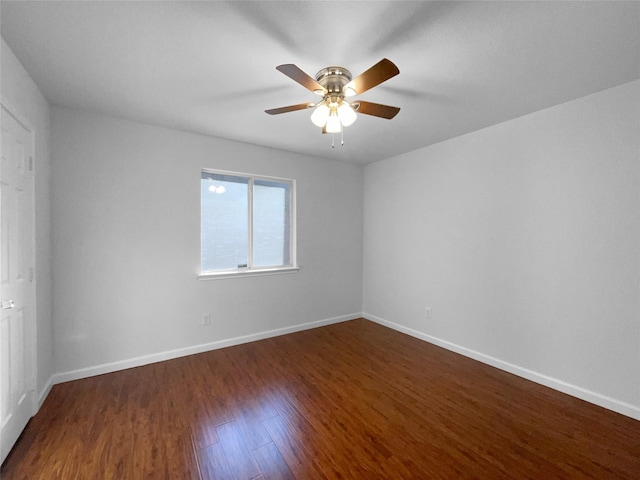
column 335, row 85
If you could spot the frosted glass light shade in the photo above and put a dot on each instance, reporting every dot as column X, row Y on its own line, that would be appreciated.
column 347, row 114
column 320, row 115
column 333, row 124
column 349, row 92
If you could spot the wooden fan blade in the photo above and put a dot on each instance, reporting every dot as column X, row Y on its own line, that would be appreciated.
column 376, row 109
column 380, row 72
column 290, row 108
column 294, row 73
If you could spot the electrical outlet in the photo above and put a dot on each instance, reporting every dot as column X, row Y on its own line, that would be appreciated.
column 206, row 319
column 427, row 313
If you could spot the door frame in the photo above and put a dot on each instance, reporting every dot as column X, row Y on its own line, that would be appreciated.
column 31, row 332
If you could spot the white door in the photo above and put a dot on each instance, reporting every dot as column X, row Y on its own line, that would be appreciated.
column 16, row 274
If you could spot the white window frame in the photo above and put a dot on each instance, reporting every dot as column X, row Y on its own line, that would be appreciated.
column 249, row 270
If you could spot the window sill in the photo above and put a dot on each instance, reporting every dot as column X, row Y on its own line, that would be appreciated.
column 247, row 273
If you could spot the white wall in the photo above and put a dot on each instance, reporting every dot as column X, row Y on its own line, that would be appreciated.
column 126, row 243
column 524, row 239
column 21, row 93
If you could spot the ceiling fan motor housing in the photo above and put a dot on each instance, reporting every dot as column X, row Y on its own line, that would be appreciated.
column 333, row 79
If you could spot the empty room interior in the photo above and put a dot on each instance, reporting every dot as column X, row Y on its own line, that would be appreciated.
column 320, row 240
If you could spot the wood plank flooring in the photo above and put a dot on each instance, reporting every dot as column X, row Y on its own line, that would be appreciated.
column 353, row 400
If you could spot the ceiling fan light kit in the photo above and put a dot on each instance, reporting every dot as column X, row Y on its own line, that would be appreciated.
column 335, row 84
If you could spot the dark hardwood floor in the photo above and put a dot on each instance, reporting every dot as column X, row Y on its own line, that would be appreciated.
column 349, row 401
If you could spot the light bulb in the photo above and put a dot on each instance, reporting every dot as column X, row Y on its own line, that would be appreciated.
column 333, row 124
column 347, row 114
column 320, row 115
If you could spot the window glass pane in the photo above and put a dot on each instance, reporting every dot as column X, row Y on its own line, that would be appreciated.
column 225, row 221
column 271, row 226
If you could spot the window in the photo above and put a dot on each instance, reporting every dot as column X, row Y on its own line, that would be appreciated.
column 247, row 224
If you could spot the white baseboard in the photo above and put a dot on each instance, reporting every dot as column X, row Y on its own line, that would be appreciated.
column 181, row 352
column 564, row 387
column 42, row 395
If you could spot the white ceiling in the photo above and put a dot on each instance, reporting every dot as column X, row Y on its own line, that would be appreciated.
column 209, row 67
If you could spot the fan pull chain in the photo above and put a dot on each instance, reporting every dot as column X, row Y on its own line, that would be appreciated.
column 333, row 139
